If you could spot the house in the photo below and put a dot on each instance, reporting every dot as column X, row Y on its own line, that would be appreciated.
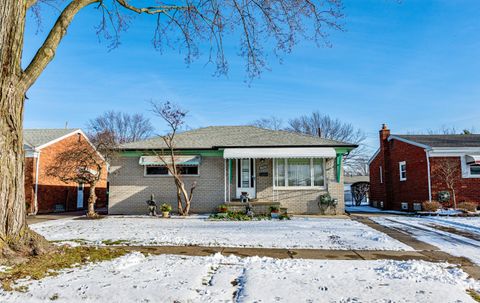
column 44, row 193
column 226, row 161
column 409, row 169
column 348, row 182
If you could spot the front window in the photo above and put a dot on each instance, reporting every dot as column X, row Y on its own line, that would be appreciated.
column 475, row 169
column 299, row 173
column 162, row 170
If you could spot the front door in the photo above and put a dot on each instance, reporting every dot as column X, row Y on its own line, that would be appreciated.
column 80, row 190
column 246, row 177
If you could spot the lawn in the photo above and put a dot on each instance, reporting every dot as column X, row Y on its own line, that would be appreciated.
column 320, row 233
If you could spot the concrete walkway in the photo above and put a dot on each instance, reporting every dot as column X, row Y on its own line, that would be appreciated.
column 54, row 216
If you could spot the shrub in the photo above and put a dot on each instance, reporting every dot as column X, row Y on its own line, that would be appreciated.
column 166, row 207
column 274, row 209
column 222, row 208
column 468, row 206
column 431, row 206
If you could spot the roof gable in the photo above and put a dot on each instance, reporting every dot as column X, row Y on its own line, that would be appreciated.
column 434, row 141
column 35, row 138
column 236, row 136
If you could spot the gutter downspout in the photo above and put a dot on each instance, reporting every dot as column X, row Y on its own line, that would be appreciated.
column 427, row 154
column 35, row 201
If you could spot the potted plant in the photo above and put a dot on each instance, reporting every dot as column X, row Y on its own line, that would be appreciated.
column 274, row 211
column 166, row 209
column 325, row 202
column 222, row 210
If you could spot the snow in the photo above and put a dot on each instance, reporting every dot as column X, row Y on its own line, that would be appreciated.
column 371, row 209
column 319, row 233
column 472, row 223
column 217, row 278
column 453, row 244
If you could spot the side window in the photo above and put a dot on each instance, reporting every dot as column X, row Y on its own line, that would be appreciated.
column 402, row 167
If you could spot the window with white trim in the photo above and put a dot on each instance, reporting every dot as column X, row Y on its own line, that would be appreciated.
column 381, row 174
column 299, row 172
column 402, row 167
column 162, row 170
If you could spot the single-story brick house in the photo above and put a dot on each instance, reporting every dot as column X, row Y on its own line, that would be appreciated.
column 409, row 169
column 44, row 193
column 272, row 166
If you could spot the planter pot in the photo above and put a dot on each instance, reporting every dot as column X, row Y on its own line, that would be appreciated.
column 165, row 214
column 275, row 215
column 222, row 215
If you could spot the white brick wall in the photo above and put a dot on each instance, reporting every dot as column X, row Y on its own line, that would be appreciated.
column 129, row 189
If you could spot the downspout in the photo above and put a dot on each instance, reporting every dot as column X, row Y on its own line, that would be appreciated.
column 35, row 201
column 429, row 176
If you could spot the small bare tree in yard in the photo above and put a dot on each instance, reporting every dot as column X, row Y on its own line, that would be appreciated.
column 448, row 172
column 82, row 163
column 360, row 190
column 175, row 118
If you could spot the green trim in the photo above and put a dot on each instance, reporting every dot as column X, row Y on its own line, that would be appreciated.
column 230, row 175
column 203, row 153
column 343, row 150
column 339, row 165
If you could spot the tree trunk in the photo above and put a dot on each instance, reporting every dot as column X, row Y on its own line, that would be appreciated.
column 92, row 199
column 454, row 199
column 14, row 233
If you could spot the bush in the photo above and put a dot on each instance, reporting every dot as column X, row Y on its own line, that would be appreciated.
column 431, row 206
column 468, row 206
column 222, row 208
column 166, row 207
column 274, row 209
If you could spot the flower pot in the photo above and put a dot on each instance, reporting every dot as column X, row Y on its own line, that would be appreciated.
column 274, row 215
column 165, row 214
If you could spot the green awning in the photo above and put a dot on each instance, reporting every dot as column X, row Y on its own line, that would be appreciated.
column 193, row 160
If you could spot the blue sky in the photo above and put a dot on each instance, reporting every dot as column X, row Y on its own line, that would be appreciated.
column 413, row 64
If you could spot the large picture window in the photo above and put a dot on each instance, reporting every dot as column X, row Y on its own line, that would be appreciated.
column 299, row 173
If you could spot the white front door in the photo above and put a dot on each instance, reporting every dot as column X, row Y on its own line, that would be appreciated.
column 246, row 177
column 80, row 190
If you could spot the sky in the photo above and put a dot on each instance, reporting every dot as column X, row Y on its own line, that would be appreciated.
column 413, row 64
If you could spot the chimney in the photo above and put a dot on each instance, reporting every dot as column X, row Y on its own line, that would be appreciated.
column 384, row 134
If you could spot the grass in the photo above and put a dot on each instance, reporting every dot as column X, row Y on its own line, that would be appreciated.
column 115, row 242
column 51, row 264
column 475, row 295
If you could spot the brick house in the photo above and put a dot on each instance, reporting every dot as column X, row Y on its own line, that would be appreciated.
column 279, row 167
column 44, row 193
column 409, row 169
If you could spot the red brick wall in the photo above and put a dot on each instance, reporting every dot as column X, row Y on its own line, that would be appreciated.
column 393, row 191
column 467, row 189
column 52, row 191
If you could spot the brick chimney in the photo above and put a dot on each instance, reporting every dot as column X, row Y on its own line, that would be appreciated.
column 384, row 134
column 385, row 150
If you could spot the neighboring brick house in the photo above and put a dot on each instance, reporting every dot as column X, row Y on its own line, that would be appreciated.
column 43, row 193
column 272, row 166
column 407, row 169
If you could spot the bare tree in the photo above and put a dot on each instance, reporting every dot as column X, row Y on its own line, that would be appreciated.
column 269, row 123
column 444, row 130
column 82, row 163
column 124, row 127
column 448, row 172
column 360, row 190
column 322, row 125
column 186, row 24
column 175, row 118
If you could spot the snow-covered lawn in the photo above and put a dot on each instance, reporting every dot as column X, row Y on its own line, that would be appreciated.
column 320, row 233
column 423, row 229
column 169, row 278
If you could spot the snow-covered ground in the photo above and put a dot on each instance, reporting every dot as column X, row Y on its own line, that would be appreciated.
column 422, row 228
column 169, row 278
column 320, row 233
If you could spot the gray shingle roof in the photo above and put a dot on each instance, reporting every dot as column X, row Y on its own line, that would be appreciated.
column 445, row 140
column 235, row 136
column 39, row 136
